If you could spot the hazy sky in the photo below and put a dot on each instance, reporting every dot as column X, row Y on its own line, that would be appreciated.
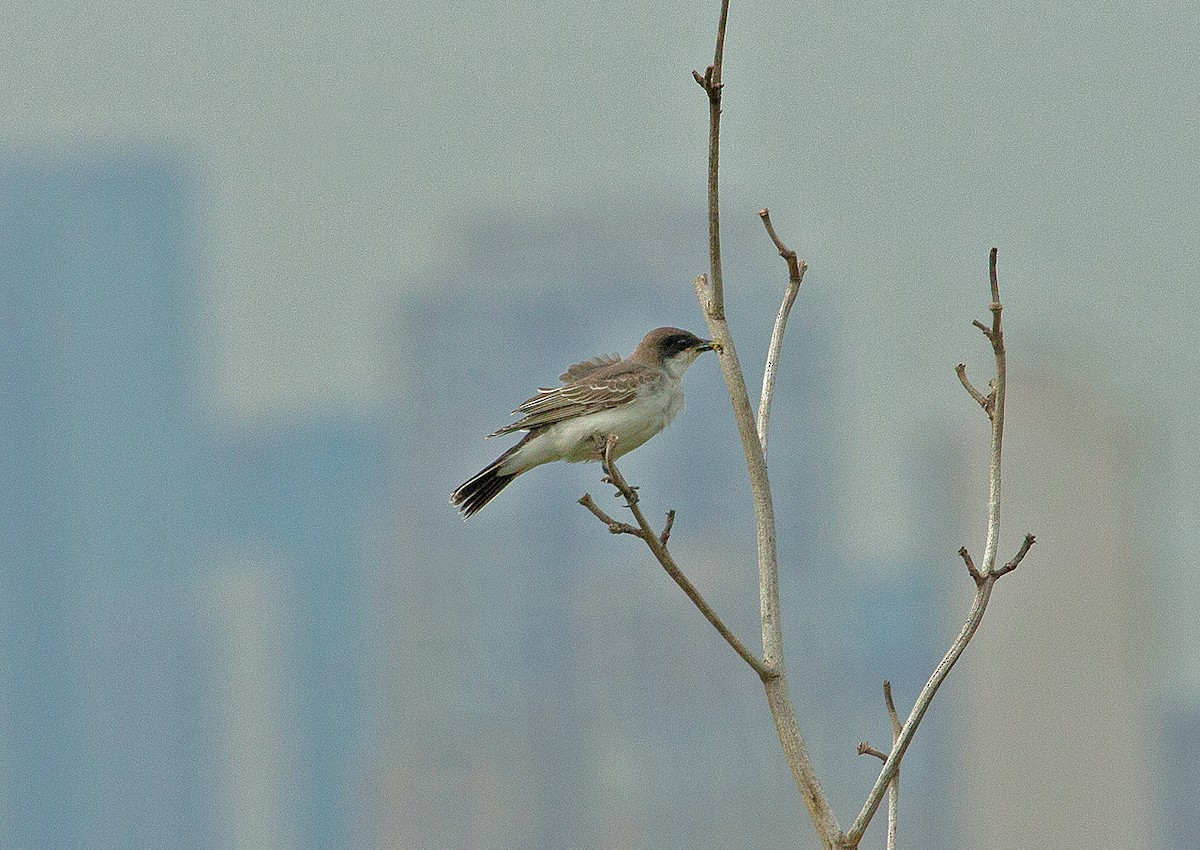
column 349, row 161
column 342, row 156
column 346, row 150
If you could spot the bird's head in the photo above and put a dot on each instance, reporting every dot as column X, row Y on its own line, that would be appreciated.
column 672, row 348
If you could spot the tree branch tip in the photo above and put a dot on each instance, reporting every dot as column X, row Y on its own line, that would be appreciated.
column 589, row 503
column 705, row 81
column 993, row 280
column 890, row 704
column 987, row 403
column 969, row 561
column 666, row 532
column 1026, row 544
column 865, row 749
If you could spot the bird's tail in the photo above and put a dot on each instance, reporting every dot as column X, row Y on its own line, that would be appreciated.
column 485, row 486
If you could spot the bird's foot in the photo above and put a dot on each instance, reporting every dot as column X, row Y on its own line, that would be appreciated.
column 601, row 443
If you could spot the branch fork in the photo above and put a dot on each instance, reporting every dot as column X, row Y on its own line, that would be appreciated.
column 894, row 786
column 657, row 542
column 706, row 82
column 752, row 430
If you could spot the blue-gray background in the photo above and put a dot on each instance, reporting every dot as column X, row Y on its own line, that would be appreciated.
column 270, row 271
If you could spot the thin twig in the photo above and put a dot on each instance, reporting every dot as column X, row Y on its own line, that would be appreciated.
column 984, row 402
column 999, row 392
column 865, row 749
column 712, row 304
column 783, row 712
column 1017, row 558
column 970, row 562
column 796, row 270
column 666, row 532
column 789, row 256
column 891, row 709
column 658, row 547
column 894, row 787
column 985, row 576
column 613, row 525
column 712, row 84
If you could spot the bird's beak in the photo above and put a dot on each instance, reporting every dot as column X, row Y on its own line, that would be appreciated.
column 709, row 345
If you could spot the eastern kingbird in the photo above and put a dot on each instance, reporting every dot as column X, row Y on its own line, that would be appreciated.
column 634, row 399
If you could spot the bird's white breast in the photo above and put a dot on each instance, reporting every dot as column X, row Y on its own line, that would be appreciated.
column 633, row 423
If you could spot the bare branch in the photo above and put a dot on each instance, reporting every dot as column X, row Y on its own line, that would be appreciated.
column 966, row 556
column 999, row 390
column 712, row 84
column 891, row 709
column 666, row 532
column 985, row 402
column 1017, row 558
column 613, row 525
column 986, row 330
column 711, row 295
column 994, row 280
column 775, row 684
column 658, row 547
column 908, row 731
column 796, row 270
column 704, row 296
column 894, row 786
column 865, row 749
column 985, row 576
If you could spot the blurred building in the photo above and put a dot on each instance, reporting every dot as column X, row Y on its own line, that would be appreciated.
column 102, row 712
column 279, row 634
column 181, row 606
column 1059, row 724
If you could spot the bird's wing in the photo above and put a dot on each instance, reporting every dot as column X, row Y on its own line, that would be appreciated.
column 579, row 371
column 603, row 388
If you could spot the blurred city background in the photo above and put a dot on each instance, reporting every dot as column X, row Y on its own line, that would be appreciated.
column 270, row 272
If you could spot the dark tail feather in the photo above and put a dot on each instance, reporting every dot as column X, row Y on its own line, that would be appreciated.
column 472, row 496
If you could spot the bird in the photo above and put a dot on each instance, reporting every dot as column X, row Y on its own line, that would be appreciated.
column 632, row 399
